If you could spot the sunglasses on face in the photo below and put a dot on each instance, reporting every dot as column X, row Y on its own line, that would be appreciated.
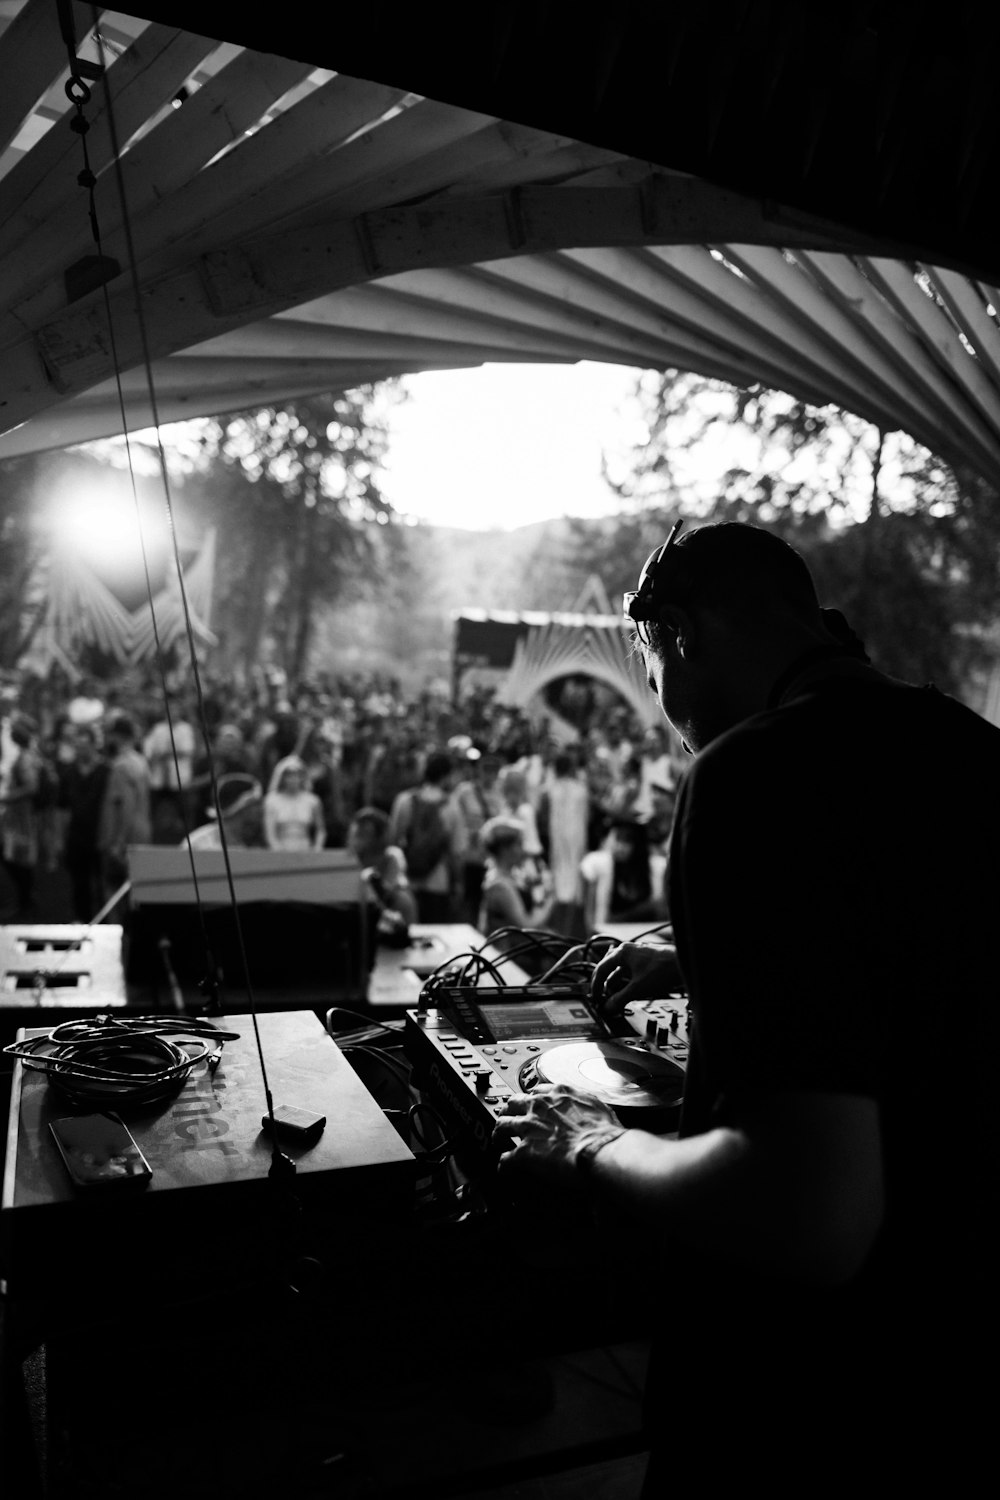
column 638, row 604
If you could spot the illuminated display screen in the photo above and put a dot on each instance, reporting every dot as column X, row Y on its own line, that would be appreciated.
column 544, row 1018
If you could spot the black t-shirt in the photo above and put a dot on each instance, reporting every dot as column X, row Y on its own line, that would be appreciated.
column 835, row 889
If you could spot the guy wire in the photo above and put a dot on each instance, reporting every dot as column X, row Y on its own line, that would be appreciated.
column 189, row 632
column 88, row 180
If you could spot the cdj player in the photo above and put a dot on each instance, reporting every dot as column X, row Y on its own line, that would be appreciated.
column 476, row 1048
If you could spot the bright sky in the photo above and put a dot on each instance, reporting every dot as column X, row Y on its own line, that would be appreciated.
column 505, row 445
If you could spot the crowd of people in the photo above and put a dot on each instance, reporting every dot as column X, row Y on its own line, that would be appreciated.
column 458, row 811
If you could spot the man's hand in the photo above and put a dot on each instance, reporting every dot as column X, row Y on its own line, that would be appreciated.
column 553, row 1126
column 633, row 971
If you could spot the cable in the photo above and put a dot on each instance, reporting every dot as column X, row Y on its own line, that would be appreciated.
column 367, row 1026
column 109, row 1062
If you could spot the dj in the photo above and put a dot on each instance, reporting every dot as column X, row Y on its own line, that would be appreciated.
column 824, row 1225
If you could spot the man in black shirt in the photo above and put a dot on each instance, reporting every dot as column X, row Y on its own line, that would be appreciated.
column 825, row 1219
column 81, row 794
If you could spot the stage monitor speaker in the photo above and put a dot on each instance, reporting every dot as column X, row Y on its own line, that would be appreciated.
column 303, row 918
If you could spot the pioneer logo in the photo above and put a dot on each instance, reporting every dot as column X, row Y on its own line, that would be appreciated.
column 445, row 1084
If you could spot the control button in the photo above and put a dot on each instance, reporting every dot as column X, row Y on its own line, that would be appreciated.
column 508, row 1048
column 482, row 1080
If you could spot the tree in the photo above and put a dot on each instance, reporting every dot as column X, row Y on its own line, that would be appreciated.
column 907, row 546
column 295, row 491
column 21, row 550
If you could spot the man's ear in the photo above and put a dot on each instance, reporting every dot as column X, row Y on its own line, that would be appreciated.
column 680, row 626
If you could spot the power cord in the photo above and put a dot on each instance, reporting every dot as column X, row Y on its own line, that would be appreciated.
column 117, row 1063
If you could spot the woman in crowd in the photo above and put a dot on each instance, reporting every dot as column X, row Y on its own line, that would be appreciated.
column 563, row 820
column 293, row 815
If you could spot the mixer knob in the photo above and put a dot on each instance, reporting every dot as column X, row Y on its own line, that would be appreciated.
column 482, row 1080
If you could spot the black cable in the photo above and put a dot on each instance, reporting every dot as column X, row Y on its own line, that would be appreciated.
column 112, row 1063
column 367, row 1027
column 385, row 1058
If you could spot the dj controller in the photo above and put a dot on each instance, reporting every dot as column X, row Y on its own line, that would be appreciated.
column 475, row 1048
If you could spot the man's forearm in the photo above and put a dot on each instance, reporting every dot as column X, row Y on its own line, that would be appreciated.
column 725, row 1193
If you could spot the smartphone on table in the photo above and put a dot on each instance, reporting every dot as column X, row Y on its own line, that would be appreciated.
column 99, row 1151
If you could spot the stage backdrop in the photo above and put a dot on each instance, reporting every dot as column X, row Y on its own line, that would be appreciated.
column 521, row 653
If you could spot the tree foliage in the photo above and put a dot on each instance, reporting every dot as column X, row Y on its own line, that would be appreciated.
column 906, row 546
column 295, row 493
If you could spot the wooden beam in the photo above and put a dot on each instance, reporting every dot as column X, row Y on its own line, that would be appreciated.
column 890, row 390
column 32, row 58
column 967, row 305
column 441, row 334
column 153, row 171
column 937, row 335
column 244, row 176
column 684, row 318
column 331, row 141
column 44, row 184
column 480, row 301
column 89, row 417
column 686, row 285
column 845, row 283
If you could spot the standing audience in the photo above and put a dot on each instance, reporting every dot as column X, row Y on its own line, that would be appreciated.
column 342, row 738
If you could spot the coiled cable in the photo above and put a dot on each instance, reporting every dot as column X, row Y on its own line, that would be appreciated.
column 109, row 1062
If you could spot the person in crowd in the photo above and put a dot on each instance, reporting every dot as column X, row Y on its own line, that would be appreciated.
column 831, row 924
column 623, row 797
column 655, row 770
column 563, row 819
column 426, row 827
column 383, row 869
column 502, row 902
column 325, row 780
column 475, row 800
column 281, row 738
column 125, row 811
column 242, row 825
column 533, row 874
column 391, row 764
column 82, row 786
column 293, row 814
column 19, row 829
column 661, row 817
column 169, row 750
column 618, row 878
column 230, row 755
